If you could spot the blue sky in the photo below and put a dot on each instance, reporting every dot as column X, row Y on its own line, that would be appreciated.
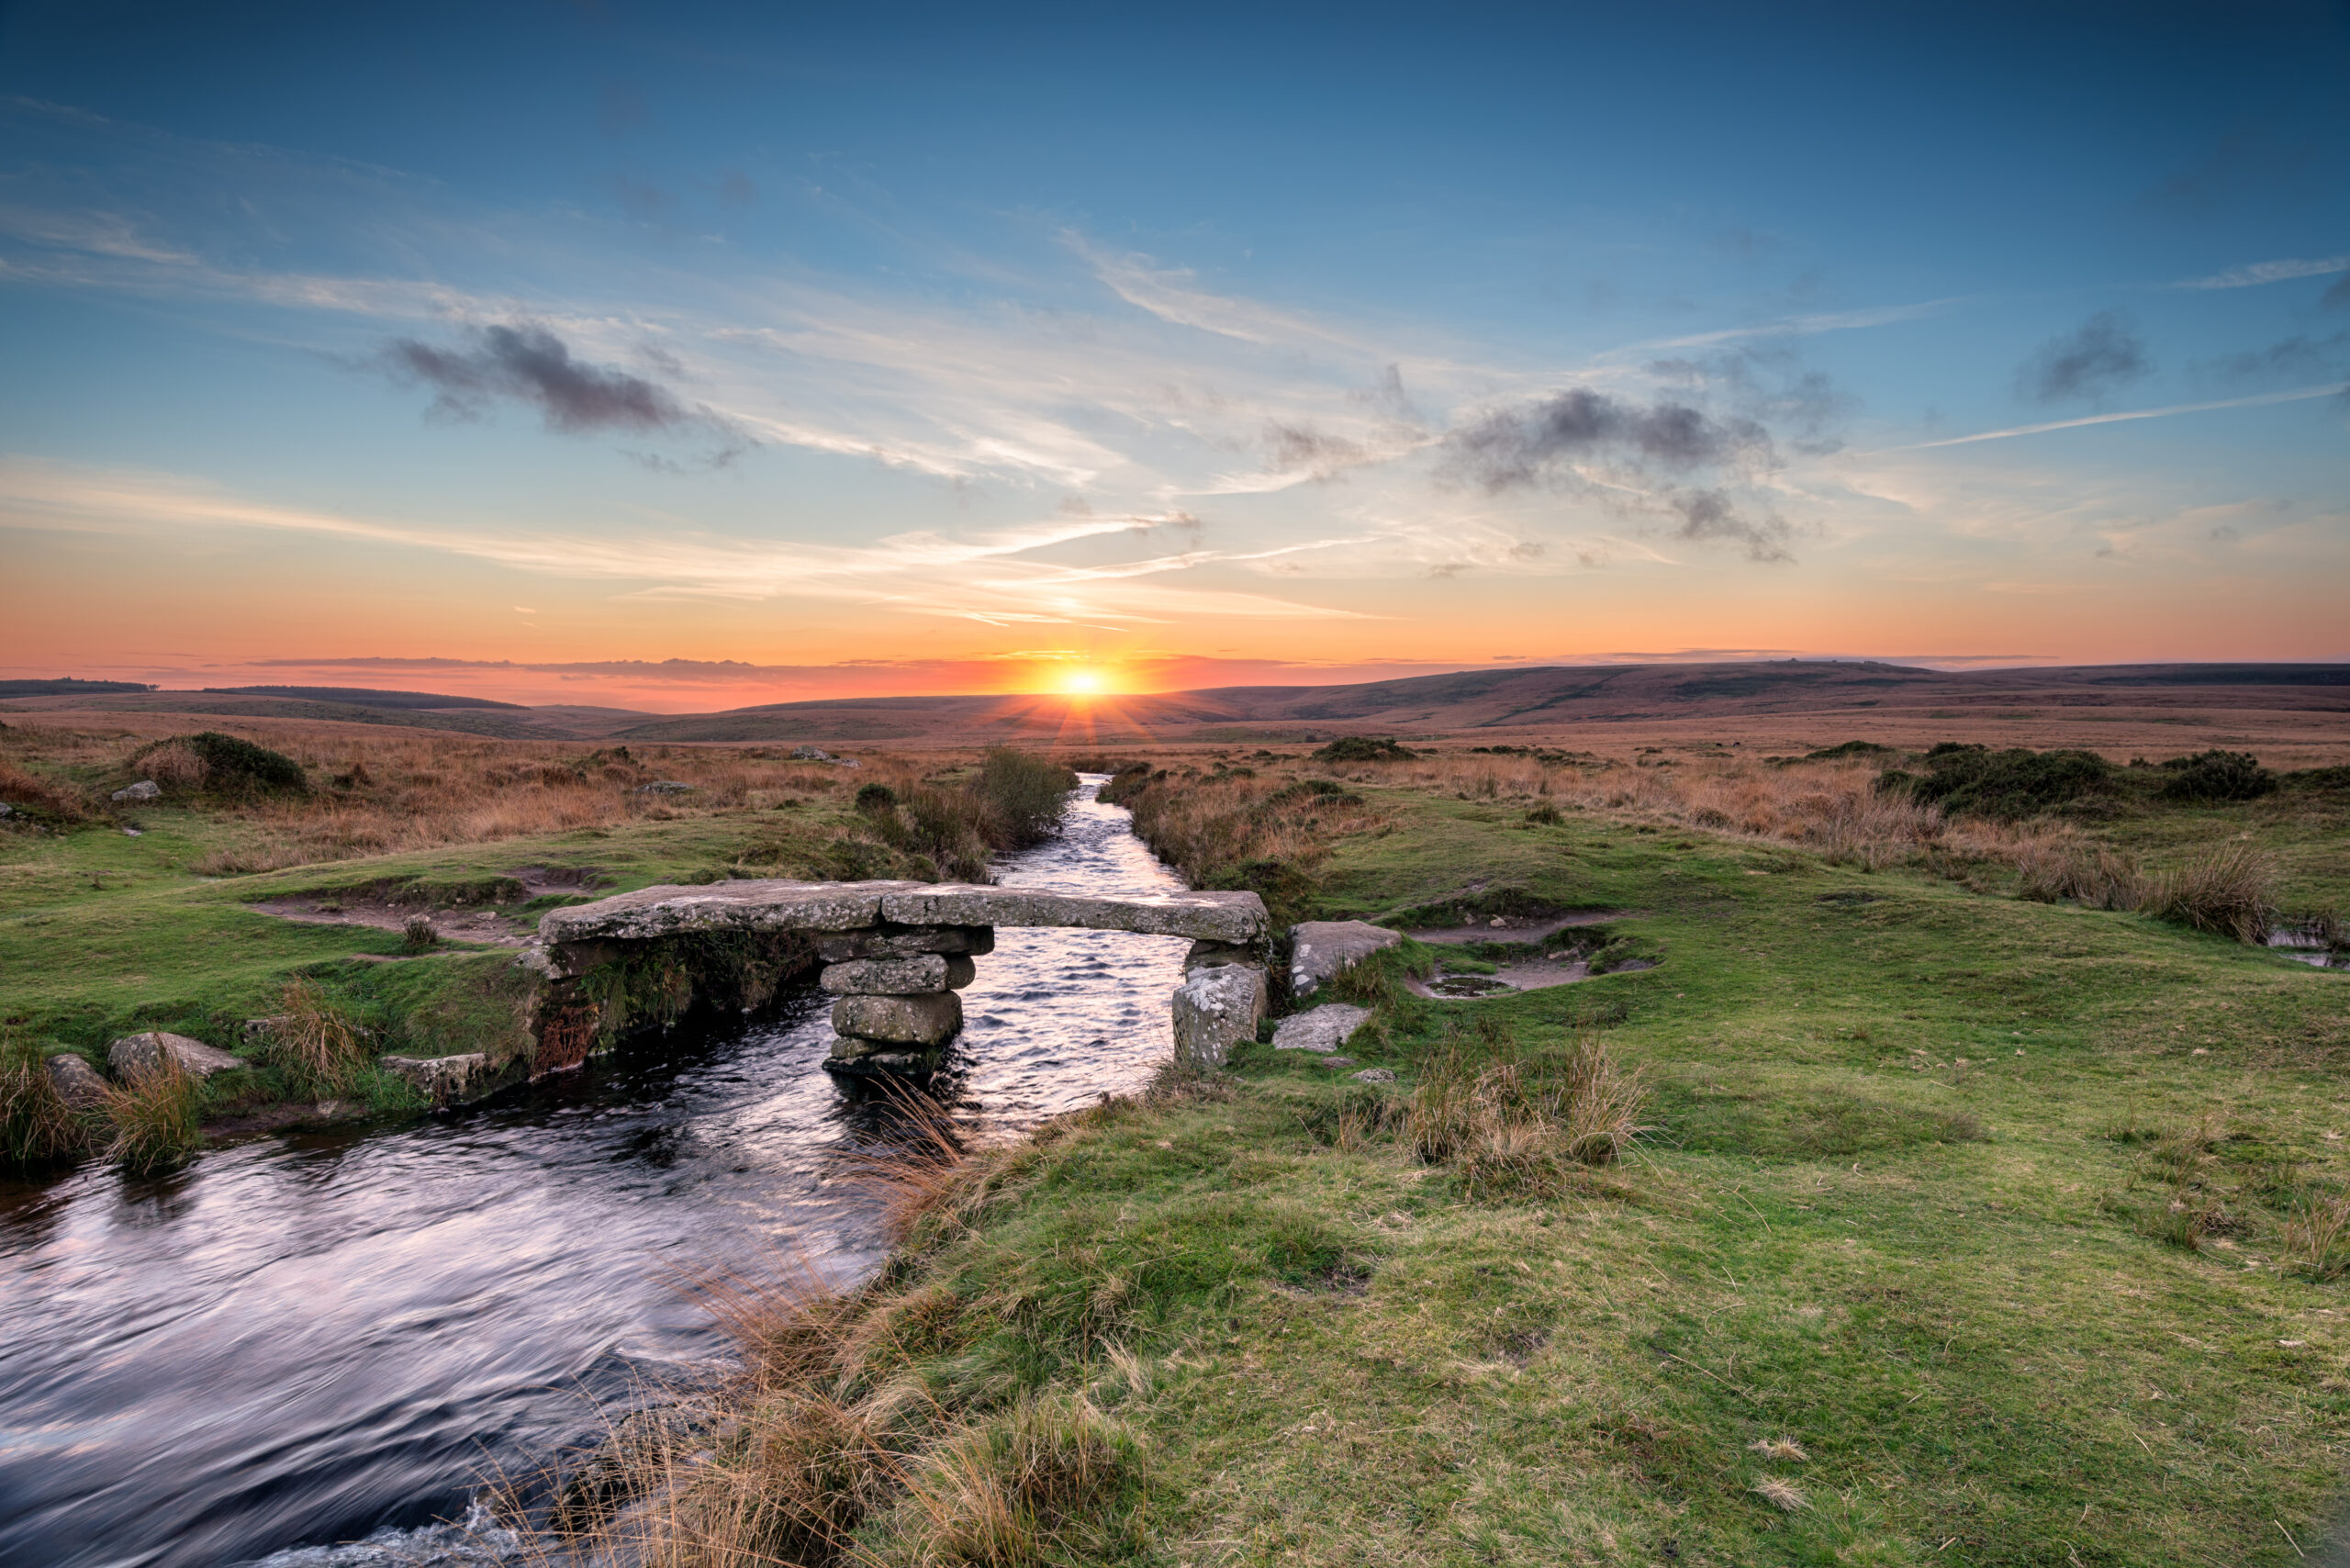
column 819, row 352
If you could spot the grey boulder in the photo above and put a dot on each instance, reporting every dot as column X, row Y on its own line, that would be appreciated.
column 78, row 1083
column 1321, row 951
column 928, row 1020
column 1325, row 1028
column 1374, row 1075
column 142, row 1053
column 1216, row 1009
column 145, row 790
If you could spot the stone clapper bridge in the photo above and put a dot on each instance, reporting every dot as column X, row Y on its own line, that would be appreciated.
column 894, row 953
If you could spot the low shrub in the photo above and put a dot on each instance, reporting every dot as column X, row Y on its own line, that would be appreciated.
column 1022, row 796
column 156, row 1115
column 2213, row 776
column 224, row 764
column 2006, row 786
column 36, row 796
column 2099, row 878
column 1364, row 748
column 417, row 934
column 1031, row 1486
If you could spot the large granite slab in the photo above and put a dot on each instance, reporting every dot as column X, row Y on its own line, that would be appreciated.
column 772, row 904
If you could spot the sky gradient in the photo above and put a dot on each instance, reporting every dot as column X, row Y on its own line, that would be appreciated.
column 693, row 356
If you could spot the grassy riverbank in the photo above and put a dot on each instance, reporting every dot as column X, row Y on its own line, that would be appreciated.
column 196, row 911
column 1967, row 1228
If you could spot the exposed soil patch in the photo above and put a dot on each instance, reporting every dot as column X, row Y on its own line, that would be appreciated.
column 1516, row 927
column 500, row 922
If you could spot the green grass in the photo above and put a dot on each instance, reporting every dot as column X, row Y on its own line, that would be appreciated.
column 1908, row 1203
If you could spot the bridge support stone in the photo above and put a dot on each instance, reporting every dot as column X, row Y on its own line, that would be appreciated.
column 895, row 955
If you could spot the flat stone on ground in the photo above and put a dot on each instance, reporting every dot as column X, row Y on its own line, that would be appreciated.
column 1325, row 1028
column 1374, row 1075
column 927, row 1020
column 1321, row 951
column 140, row 1053
column 1216, row 1009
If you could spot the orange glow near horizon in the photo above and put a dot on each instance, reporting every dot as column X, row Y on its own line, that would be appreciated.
column 1083, row 681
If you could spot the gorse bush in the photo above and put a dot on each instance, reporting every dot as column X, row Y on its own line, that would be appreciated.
column 2006, row 786
column 2216, row 775
column 233, row 766
column 1364, row 748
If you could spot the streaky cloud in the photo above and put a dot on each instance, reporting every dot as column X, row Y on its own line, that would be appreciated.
column 2298, row 394
column 2255, row 273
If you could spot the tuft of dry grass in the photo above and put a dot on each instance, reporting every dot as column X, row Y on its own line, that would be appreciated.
column 156, row 1115
column 21, row 787
column 318, row 1046
column 2052, row 869
column 1784, row 1496
column 1513, row 1126
column 417, row 934
column 1780, row 1448
column 36, row 1123
column 2228, row 888
column 1025, row 1487
column 2317, row 1236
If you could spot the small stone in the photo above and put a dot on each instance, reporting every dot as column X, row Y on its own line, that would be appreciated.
column 1321, row 951
column 6, row 810
column 926, row 1020
column 145, row 790
column 809, row 754
column 133, row 832
column 666, row 787
column 1216, row 1009
column 140, row 1053
column 909, row 941
column 1374, row 1075
column 899, row 977
column 79, row 1084
column 1497, row 920
column 442, row 1078
column 1325, row 1028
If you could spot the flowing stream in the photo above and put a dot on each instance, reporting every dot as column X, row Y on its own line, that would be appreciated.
column 305, row 1340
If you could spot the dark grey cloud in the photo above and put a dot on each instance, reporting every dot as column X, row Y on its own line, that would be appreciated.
column 526, row 363
column 1293, row 447
column 641, row 199
column 1512, row 448
column 1667, row 458
column 735, row 189
column 1769, row 385
column 2105, row 355
column 2247, row 163
column 2338, row 296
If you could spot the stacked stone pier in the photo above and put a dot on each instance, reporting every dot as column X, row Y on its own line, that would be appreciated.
column 895, row 955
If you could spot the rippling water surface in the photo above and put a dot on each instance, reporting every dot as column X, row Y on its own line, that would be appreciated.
column 310, row 1339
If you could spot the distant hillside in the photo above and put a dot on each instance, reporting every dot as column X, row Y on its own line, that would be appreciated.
column 66, row 686
column 363, row 697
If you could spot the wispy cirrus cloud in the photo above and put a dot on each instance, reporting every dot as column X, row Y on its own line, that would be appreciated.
column 2254, row 274
column 991, row 576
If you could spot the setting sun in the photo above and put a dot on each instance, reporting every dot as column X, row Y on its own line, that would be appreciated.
column 1083, row 682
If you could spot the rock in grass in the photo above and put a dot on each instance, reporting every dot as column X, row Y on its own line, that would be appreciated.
column 145, row 790
column 1374, row 1075
column 1325, row 1028
column 140, row 1053
column 79, row 1084
column 441, row 1079
column 666, row 787
column 899, row 977
column 926, row 1020
column 1321, row 951
column 1214, row 1010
